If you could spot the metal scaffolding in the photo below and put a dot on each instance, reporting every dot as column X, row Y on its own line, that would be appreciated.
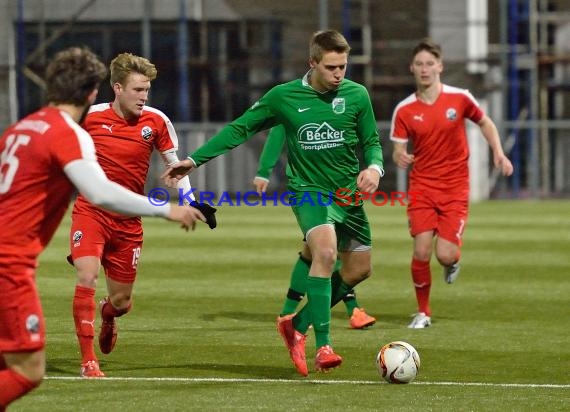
column 531, row 117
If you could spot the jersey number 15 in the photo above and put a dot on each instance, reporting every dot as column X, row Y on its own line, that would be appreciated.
column 9, row 163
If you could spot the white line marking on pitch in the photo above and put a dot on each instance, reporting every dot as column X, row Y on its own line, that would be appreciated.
column 309, row 381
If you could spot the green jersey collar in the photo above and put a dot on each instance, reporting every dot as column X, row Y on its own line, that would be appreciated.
column 305, row 82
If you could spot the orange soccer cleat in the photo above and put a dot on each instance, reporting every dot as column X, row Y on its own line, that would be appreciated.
column 360, row 319
column 326, row 359
column 295, row 342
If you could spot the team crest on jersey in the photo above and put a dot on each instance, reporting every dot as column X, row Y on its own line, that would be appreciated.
column 33, row 323
column 451, row 114
column 77, row 236
column 146, row 133
column 338, row 105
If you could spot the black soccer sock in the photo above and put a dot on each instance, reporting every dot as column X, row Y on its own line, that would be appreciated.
column 339, row 289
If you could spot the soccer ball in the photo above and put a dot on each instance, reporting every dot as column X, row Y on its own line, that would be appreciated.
column 398, row 362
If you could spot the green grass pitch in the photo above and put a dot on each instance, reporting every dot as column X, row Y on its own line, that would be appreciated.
column 202, row 335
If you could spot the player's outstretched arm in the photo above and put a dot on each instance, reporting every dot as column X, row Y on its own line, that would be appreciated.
column 170, row 159
column 177, row 171
column 187, row 216
column 90, row 180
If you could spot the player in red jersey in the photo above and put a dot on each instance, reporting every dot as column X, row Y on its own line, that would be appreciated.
column 42, row 157
column 125, row 133
column 433, row 120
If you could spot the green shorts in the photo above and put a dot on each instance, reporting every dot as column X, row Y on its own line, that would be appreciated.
column 350, row 222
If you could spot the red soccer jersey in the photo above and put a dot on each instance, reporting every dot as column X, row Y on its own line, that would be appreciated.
column 124, row 148
column 437, row 133
column 34, row 190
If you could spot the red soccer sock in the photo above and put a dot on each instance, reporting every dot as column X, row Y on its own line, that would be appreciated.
column 13, row 386
column 84, row 308
column 421, row 276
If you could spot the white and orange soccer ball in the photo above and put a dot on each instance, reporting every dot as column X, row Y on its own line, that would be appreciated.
column 398, row 362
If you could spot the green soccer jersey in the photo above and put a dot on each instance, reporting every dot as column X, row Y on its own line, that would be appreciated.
column 322, row 132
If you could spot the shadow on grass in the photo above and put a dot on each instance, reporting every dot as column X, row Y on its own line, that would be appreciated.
column 383, row 321
column 61, row 367
column 246, row 316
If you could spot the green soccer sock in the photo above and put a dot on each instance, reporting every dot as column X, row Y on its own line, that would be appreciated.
column 302, row 320
column 339, row 290
column 350, row 302
column 297, row 285
column 318, row 305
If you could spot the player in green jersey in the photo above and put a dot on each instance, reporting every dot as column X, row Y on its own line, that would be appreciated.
column 325, row 118
column 358, row 318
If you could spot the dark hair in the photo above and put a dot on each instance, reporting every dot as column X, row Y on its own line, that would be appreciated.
column 72, row 75
column 327, row 41
column 427, row 44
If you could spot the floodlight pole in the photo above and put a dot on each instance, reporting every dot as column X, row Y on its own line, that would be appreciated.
column 146, row 30
column 183, row 114
column 323, row 14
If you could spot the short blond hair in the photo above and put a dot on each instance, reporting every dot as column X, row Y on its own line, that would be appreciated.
column 127, row 63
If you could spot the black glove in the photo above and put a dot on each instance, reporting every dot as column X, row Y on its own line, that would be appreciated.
column 208, row 211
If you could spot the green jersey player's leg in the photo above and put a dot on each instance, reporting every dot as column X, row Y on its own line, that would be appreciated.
column 329, row 227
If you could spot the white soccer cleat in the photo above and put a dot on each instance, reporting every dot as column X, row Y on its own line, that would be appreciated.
column 420, row 321
column 450, row 273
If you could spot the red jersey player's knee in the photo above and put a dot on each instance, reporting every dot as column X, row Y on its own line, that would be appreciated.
column 447, row 253
column 447, row 257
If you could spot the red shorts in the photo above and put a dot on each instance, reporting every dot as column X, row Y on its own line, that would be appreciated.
column 117, row 243
column 22, row 326
column 441, row 212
